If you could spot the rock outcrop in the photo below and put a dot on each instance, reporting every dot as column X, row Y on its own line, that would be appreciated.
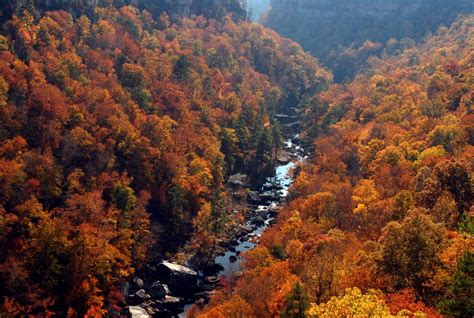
column 181, row 280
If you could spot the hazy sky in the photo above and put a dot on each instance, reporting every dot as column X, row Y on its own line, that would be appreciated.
column 258, row 7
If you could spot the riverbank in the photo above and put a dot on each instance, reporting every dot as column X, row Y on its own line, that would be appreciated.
column 167, row 289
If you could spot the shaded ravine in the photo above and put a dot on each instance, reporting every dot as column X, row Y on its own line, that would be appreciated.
column 282, row 179
column 166, row 289
column 278, row 186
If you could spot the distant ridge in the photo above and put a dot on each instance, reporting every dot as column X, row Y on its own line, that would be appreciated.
column 326, row 27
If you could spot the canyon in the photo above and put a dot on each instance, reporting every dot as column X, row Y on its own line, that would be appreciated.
column 172, row 158
column 327, row 27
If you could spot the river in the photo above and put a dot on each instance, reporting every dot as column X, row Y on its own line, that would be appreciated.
column 282, row 179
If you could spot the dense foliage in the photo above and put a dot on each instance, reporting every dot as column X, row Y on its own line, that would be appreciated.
column 119, row 128
column 216, row 9
column 209, row 8
column 116, row 131
column 380, row 220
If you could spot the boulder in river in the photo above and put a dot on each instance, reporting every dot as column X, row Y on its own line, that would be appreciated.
column 258, row 221
column 254, row 197
column 212, row 280
column 268, row 196
column 181, row 280
column 174, row 304
column 233, row 258
column 283, row 159
column 234, row 242
column 243, row 230
column 142, row 294
column 138, row 312
column 207, row 295
column 158, row 290
column 239, row 179
column 273, row 212
column 212, row 269
column 269, row 186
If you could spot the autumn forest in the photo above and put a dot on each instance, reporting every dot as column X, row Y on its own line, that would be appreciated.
column 176, row 159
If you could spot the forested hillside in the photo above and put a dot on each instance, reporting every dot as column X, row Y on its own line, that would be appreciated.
column 345, row 33
column 380, row 219
column 145, row 145
column 175, row 8
column 116, row 131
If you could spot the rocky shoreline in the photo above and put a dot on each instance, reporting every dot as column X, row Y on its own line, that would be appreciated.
column 168, row 289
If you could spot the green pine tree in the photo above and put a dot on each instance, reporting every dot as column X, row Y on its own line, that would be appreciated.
column 296, row 303
column 460, row 302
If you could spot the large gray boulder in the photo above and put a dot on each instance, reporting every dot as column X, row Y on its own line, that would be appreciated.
column 138, row 312
column 174, row 304
column 268, row 196
column 181, row 280
column 283, row 159
column 138, row 297
column 254, row 197
column 142, row 294
column 239, row 179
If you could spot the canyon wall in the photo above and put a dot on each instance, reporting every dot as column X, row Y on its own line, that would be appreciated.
column 322, row 26
column 316, row 9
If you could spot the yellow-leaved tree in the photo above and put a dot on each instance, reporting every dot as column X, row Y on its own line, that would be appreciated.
column 357, row 304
